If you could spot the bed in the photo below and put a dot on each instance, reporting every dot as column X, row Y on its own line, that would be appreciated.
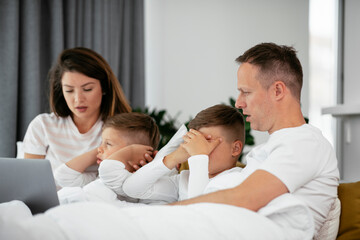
column 283, row 218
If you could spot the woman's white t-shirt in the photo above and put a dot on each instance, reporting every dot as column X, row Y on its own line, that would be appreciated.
column 59, row 139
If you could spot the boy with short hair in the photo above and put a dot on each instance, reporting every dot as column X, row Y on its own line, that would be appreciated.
column 126, row 137
column 212, row 147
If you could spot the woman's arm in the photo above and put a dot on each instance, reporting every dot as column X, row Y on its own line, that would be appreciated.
column 33, row 156
column 82, row 162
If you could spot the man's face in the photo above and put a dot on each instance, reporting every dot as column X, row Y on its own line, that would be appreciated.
column 253, row 99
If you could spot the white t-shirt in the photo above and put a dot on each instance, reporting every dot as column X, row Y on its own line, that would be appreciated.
column 155, row 182
column 59, row 139
column 79, row 187
column 305, row 162
column 68, row 177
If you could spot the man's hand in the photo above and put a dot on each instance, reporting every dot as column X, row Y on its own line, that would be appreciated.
column 196, row 143
column 133, row 156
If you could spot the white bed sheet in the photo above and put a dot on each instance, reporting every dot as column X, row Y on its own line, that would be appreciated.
column 283, row 218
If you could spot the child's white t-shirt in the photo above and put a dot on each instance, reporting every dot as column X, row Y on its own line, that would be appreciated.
column 155, row 182
column 59, row 139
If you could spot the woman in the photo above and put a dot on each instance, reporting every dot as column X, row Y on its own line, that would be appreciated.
column 83, row 93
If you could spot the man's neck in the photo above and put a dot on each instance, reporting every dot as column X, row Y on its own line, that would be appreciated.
column 288, row 116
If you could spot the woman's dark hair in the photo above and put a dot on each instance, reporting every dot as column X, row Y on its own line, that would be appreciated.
column 87, row 62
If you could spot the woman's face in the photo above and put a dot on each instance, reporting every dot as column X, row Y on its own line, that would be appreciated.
column 83, row 95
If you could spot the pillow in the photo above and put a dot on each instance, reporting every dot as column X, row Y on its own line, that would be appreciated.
column 349, row 195
column 173, row 143
column 330, row 228
column 19, row 149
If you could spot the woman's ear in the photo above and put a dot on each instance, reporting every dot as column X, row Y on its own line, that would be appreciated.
column 237, row 148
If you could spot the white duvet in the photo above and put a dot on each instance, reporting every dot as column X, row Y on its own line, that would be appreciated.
column 283, row 218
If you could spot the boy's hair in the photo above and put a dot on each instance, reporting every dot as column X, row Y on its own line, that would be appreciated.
column 139, row 128
column 276, row 63
column 221, row 115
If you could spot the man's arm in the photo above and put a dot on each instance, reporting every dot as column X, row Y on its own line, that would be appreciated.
column 254, row 193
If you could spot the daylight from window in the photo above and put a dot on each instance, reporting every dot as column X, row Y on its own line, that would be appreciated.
column 323, row 25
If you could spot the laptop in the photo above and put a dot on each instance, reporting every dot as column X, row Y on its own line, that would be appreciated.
column 30, row 181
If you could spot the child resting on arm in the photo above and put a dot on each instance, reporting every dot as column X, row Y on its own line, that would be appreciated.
column 126, row 138
column 120, row 131
column 212, row 148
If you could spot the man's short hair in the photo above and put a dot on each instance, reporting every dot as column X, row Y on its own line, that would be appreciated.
column 221, row 115
column 139, row 128
column 276, row 63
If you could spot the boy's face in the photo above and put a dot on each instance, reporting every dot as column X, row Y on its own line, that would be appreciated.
column 221, row 158
column 112, row 140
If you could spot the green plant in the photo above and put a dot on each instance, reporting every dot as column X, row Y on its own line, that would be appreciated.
column 249, row 138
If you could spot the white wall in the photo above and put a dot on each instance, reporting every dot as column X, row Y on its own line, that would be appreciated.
column 351, row 124
column 191, row 46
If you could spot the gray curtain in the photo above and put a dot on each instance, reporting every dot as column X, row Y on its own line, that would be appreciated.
column 34, row 32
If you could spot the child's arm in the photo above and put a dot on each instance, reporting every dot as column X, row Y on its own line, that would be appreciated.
column 198, row 175
column 113, row 174
column 134, row 154
column 118, row 167
column 71, row 174
column 176, row 157
column 153, row 182
column 199, row 147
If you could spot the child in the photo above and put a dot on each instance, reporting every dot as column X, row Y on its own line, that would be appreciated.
column 212, row 147
column 127, row 137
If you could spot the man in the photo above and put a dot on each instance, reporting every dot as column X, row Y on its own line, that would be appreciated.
column 297, row 158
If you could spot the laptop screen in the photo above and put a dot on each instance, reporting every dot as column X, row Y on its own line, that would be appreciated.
column 30, row 181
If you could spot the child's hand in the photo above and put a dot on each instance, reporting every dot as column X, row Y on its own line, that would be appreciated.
column 196, row 143
column 178, row 156
column 133, row 155
column 148, row 158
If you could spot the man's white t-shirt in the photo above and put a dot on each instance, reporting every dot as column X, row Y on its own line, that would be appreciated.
column 59, row 139
column 305, row 162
